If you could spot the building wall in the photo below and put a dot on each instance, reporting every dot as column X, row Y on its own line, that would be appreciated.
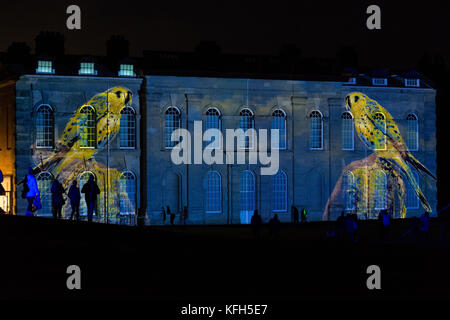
column 65, row 95
column 7, row 142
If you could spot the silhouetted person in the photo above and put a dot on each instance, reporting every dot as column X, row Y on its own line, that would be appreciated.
column 31, row 191
column 304, row 216
column 74, row 197
column 185, row 214
column 424, row 226
column 355, row 227
column 256, row 222
column 57, row 191
column 171, row 215
column 294, row 213
column 164, row 216
column 274, row 226
column 340, row 226
column 91, row 191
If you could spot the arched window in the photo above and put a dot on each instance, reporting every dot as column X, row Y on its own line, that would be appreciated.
column 412, row 132
column 127, row 133
column 412, row 201
column 347, row 131
column 213, row 192
column 88, row 127
column 279, row 122
column 381, row 120
column 380, row 185
column 127, row 194
column 172, row 122
column 247, row 121
column 44, row 127
column 84, row 177
column 44, row 182
column 279, row 192
column 348, row 191
column 213, row 122
column 247, row 191
column 316, row 130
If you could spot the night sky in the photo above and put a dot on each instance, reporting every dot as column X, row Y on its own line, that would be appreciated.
column 258, row 27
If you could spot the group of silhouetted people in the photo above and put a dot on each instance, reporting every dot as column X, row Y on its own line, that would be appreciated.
column 274, row 225
column 90, row 189
column 167, row 212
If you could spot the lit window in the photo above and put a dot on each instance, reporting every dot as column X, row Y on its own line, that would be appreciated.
column 6, row 199
column 172, row 122
column 316, row 130
column 279, row 192
column 348, row 191
column 213, row 192
column 246, row 123
column 412, row 82
column 380, row 144
column 412, row 201
column 84, row 178
column 347, row 131
column 126, row 70
column 88, row 128
column 412, row 132
column 380, row 184
column 379, row 81
column 87, row 68
column 44, row 127
column 45, row 67
column 44, row 182
column 127, row 132
column 127, row 193
column 213, row 122
column 247, row 191
column 279, row 122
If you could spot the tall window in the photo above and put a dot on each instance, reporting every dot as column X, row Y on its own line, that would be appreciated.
column 380, row 184
column 127, row 194
column 247, row 121
column 316, row 130
column 412, row 132
column 44, row 181
column 347, row 131
column 172, row 122
column 127, row 132
column 84, row 177
column 88, row 127
column 44, row 127
column 348, row 191
column 212, row 122
column 279, row 122
column 279, row 192
column 412, row 201
column 381, row 120
column 213, row 192
column 247, row 191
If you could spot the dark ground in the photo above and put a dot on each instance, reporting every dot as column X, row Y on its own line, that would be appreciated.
column 211, row 264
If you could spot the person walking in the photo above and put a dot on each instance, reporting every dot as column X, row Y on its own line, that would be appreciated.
column 171, row 215
column 294, row 214
column 75, row 197
column 274, row 227
column 57, row 191
column 304, row 216
column 164, row 216
column 31, row 192
column 91, row 191
column 256, row 222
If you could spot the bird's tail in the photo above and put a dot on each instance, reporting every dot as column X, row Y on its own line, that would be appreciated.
column 407, row 171
column 416, row 164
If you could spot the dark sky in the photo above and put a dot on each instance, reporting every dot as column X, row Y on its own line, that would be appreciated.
column 409, row 28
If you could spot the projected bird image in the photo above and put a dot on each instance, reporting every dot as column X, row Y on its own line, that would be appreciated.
column 88, row 132
column 391, row 163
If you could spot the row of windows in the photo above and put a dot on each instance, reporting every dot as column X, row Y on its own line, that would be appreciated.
column 380, row 192
column 247, row 121
column 88, row 132
column 127, row 192
column 86, row 68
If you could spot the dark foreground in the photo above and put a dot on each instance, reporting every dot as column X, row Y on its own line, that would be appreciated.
column 207, row 264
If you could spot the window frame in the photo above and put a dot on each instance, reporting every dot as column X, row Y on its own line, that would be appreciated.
column 285, row 127
column 408, row 121
column 251, row 141
column 284, row 191
column 123, row 174
column 175, row 143
column 310, row 129
column 94, row 128
column 133, row 113
column 208, row 193
column 52, row 127
column 219, row 115
column 343, row 121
